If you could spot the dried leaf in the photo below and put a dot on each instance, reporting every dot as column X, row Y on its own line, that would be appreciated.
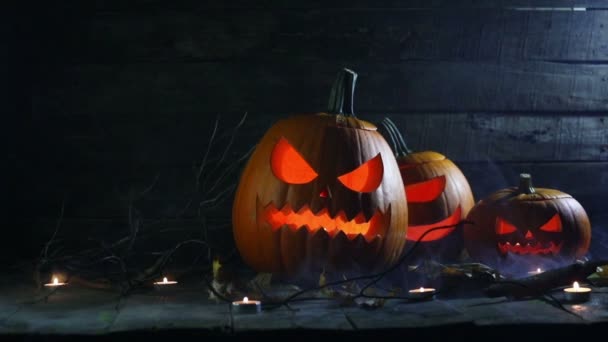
column 261, row 282
column 224, row 289
column 322, row 279
column 350, row 287
column 325, row 291
column 600, row 277
column 216, row 266
column 370, row 303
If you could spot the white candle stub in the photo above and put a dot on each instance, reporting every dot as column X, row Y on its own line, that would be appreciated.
column 165, row 282
column 166, row 286
column 421, row 293
column 576, row 293
column 55, row 283
column 247, row 306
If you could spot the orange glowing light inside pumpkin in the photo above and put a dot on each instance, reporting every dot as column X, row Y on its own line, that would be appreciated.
column 323, row 220
column 554, row 225
column 415, row 233
column 425, row 191
column 365, row 178
column 503, row 227
column 288, row 164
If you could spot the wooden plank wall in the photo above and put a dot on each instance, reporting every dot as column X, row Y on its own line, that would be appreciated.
column 118, row 94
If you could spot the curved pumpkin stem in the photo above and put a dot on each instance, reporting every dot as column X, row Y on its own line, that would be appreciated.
column 342, row 93
column 395, row 138
column 525, row 184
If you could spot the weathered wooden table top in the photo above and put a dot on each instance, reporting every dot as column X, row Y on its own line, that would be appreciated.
column 74, row 310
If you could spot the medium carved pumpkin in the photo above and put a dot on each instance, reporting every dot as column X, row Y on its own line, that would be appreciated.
column 527, row 223
column 321, row 191
column 438, row 194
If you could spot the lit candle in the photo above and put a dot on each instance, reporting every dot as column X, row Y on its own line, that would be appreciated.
column 165, row 282
column 55, row 283
column 247, row 306
column 422, row 293
column 577, row 293
column 165, row 285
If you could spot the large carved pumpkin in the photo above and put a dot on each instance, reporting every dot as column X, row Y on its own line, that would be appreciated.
column 438, row 194
column 527, row 224
column 321, row 191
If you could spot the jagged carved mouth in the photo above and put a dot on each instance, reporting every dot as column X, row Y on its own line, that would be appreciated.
column 305, row 218
column 414, row 233
column 535, row 248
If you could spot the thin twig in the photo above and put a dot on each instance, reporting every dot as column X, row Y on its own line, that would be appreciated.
column 227, row 148
column 57, row 226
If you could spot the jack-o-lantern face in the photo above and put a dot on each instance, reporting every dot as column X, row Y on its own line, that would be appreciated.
column 432, row 201
column 525, row 222
column 320, row 191
column 437, row 192
column 544, row 240
column 290, row 167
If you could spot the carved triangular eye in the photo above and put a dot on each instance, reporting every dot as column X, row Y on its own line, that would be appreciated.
column 425, row 191
column 365, row 178
column 504, row 227
column 288, row 164
column 554, row 225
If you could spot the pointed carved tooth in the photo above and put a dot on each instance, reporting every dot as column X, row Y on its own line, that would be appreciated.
column 517, row 244
column 340, row 218
column 268, row 205
column 360, row 218
column 280, row 227
column 309, row 228
column 287, row 209
column 322, row 212
column 305, row 208
column 332, row 232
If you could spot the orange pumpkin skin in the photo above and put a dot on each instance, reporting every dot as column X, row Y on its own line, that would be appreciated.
column 438, row 194
column 520, row 223
column 291, row 228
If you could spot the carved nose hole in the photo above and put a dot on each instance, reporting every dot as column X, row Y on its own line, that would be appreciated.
column 325, row 193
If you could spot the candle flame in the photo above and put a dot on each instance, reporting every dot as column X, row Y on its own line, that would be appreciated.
column 421, row 289
column 245, row 300
column 538, row 270
column 576, row 286
column 55, row 281
column 165, row 280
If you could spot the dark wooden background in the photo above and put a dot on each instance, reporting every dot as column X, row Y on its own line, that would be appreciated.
column 105, row 97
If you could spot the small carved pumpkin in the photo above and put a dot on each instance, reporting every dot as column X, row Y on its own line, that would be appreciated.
column 321, row 191
column 524, row 222
column 438, row 194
